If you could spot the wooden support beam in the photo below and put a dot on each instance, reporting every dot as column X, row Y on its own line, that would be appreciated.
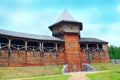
column 88, row 53
column 97, row 46
column 40, row 46
column 86, row 46
column 56, row 47
column 9, row 50
column 9, row 44
column 33, row 51
column 99, row 53
column 0, row 46
column 25, row 53
column 0, row 49
column 40, row 51
column 18, row 50
column 26, row 45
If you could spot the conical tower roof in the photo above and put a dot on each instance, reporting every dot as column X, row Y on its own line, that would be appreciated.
column 65, row 16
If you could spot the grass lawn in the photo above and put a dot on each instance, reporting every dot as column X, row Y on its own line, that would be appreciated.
column 106, row 66
column 55, row 77
column 24, row 72
column 113, row 74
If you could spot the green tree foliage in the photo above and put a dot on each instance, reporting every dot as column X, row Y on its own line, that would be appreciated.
column 114, row 52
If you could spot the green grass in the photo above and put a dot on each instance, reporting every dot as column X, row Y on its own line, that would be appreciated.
column 106, row 66
column 60, row 77
column 112, row 75
column 22, row 72
column 113, row 72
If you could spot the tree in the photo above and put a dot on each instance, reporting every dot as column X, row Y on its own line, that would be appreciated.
column 114, row 52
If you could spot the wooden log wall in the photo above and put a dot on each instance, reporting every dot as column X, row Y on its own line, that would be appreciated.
column 31, row 59
column 72, row 49
column 96, row 55
column 24, row 55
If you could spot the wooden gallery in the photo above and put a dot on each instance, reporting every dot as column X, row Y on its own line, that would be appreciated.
column 65, row 46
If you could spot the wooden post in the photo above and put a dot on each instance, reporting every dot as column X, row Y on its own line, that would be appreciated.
column 39, row 52
column 18, row 50
column 9, row 48
column 97, row 46
column 0, row 46
column 56, row 47
column 33, row 51
column 42, row 46
column 0, row 49
column 86, row 46
column 99, row 53
column 25, row 53
column 88, row 53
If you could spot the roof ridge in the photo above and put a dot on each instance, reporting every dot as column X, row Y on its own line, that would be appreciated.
column 65, row 16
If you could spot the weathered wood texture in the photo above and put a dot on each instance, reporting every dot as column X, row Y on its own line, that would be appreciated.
column 31, row 59
column 72, row 50
column 96, row 57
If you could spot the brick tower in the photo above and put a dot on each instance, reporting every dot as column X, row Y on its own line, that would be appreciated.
column 68, row 28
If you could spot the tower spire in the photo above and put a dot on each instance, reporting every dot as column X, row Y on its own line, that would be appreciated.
column 65, row 16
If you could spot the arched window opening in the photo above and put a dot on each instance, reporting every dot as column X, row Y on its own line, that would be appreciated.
column 33, row 43
column 18, row 42
column 60, row 45
column 49, row 45
column 92, row 46
column 3, row 40
column 33, row 46
column 83, row 45
column 100, row 46
column 3, row 43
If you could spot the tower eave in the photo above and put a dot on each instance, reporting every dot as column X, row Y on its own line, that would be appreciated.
column 64, row 22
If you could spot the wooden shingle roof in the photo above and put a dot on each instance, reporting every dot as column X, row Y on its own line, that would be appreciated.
column 65, row 16
column 44, row 37
column 92, row 40
column 28, row 36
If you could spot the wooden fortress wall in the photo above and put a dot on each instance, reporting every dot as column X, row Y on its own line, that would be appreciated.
column 34, row 59
column 31, row 59
column 72, row 55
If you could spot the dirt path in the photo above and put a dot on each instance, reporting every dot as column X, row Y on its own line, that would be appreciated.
column 74, row 75
column 79, row 75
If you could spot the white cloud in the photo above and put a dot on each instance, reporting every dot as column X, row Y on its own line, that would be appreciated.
column 118, row 8
column 99, row 31
column 86, row 15
column 108, row 32
column 21, row 18
column 30, row 21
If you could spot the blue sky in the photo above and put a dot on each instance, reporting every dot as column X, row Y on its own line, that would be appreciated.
column 100, row 18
